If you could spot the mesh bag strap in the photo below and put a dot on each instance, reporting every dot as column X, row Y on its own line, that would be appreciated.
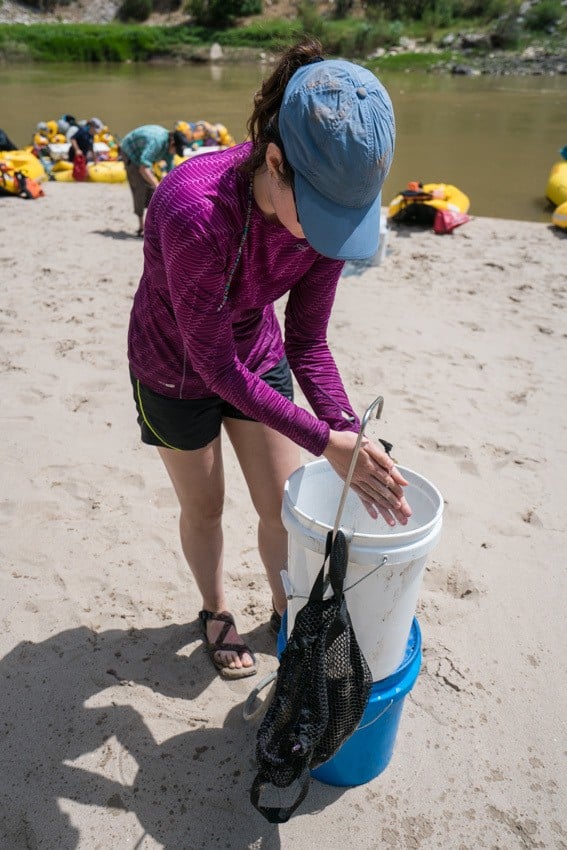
column 336, row 552
column 278, row 814
column 338, row 563
column 320, row 583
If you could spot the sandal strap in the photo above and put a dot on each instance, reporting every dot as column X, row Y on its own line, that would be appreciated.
column 225, row 616
column 222, row 617
column 219, row 644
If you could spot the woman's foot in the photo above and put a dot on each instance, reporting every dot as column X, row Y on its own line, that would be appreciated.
column 230, row 655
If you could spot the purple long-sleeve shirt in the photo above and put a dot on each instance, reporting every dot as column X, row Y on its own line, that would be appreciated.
column 180, row 344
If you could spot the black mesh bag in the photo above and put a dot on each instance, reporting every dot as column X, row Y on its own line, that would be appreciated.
column 322, row 688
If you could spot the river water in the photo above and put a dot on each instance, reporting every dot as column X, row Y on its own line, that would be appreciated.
column 493, row 137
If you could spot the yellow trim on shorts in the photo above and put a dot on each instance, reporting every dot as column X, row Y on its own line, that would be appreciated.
column 145, row 418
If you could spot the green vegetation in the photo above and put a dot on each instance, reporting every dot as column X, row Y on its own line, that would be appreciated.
column 414, row 61
column 95, row 42
column 547, row 14
column 135, row 10
column 343, row 33
column 222, row 13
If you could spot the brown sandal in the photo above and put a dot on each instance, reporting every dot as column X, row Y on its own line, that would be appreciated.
column 219, row 645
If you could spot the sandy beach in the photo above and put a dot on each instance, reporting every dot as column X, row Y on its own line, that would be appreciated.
column 116, row 733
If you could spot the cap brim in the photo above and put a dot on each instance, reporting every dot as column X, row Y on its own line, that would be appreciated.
column 341, row 233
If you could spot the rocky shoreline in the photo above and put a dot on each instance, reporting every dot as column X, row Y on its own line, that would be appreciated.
column 531, row 62
column 540, row 63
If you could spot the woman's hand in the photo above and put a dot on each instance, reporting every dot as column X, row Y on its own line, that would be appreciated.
column 375, row 479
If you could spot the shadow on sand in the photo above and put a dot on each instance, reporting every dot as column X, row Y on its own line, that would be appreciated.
column 189, row 791
column 118, row 234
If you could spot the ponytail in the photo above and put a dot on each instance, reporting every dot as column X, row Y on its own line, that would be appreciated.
column 263, row 123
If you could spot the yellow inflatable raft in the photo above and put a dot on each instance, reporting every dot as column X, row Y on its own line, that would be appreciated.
column 26, row 162
column 13, row 182
column 559, row 217
column 556, row 189
column 420, row 201
column 112, row 171
column 61, row 165
column 64, row 175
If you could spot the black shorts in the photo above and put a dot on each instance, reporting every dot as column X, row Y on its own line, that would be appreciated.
column 188, row 424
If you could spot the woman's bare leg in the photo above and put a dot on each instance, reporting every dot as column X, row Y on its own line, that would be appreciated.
column 198, row 479
column 267, row 459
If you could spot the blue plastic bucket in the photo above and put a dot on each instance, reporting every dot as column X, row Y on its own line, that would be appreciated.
column 369, row 749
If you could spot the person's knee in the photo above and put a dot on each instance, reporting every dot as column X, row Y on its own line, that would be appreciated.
column 202, row 517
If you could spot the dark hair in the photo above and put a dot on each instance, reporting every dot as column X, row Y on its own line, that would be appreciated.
column 263, row 123
column 179, row 140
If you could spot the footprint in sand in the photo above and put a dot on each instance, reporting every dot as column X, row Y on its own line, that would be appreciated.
column 473, row 326
column 164, row 497
column 32, row 396
column 531, row 518
column 453, row 581
column 132, row 479
column 520, row 397
column 443, row 667
column 63, row 346
column 503, row 456
column 101, row 359
column 459, row 453
column 75, row 403
column 7, row 365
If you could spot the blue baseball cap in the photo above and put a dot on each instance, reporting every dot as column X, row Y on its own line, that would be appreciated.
column 336, row 123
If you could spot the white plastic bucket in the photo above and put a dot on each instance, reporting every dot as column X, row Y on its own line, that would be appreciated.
column 382, row 605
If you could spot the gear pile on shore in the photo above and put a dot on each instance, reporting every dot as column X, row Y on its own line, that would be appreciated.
column 50, row 154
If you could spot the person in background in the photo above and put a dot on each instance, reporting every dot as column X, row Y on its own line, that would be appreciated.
column 5, row 143
column 227, row 234
column 65, row 123
column 82, row 141
column 140, row 150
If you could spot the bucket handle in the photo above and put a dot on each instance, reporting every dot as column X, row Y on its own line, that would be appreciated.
column 379, row 404
column 289, row 589
column 374, row 719
column 373, row 570
column 248, row 711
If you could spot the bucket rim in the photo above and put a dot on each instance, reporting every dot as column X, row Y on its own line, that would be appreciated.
column 410, row 536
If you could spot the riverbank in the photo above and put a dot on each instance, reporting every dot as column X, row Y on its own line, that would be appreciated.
column 21, row 43
column 89, row 33
column 114, row 722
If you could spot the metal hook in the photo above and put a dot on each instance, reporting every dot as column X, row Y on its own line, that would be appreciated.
column 377, row 403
